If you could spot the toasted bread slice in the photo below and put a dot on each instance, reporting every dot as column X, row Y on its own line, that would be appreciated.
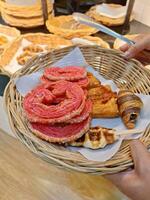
column 93, row 82
column 104, row 102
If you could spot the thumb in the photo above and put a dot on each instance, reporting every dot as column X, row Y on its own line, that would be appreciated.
column 140, row 155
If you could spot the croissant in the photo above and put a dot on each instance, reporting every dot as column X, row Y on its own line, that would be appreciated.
column 129, row 106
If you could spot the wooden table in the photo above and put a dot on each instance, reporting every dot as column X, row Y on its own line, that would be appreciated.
column 23, row 176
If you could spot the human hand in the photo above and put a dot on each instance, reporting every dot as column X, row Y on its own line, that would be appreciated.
column 142, row 42
column 135, row 183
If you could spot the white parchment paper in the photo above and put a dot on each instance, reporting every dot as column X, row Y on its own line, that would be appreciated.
column 27, row 83
column 13, row 65
column 112, row 12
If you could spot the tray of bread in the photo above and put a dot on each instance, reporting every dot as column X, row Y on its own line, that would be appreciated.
column 28, row 45
column 18, row 52
column 67, row 27
column 109, row 14
column 79, row 107
column 7, row 35
column 25, row 14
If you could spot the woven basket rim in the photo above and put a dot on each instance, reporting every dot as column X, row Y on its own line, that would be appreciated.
column 59, row 157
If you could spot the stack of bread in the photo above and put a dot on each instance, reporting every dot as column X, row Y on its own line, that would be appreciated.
column 25, row 15
column 109, row 14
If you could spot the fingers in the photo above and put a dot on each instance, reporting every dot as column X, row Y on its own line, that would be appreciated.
column 121, row 179
column 134, row 50
column 140, row 156
column 141, row 42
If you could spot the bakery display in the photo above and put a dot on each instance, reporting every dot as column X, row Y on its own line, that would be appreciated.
column 129, row 106
column 108, row 14
column 20, row 15
column 26, row 46
column 96, row 138
column 67, row 27
column 7, row 35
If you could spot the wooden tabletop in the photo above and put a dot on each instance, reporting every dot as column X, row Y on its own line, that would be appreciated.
column 23, row 176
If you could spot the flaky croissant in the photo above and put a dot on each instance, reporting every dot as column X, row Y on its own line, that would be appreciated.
column 129, row 106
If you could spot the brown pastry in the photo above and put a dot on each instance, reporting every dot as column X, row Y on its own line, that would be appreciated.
column 129, row 106
column 33, row 48
column 22, row 59
column 95, row 138
column 104, row 102
column 93, row 82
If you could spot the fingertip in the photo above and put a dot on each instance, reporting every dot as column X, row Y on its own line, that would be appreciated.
column 136, row 144
column 124, row 47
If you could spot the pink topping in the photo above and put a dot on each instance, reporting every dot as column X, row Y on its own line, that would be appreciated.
column 40, row 104
column 70, row 73
column 83, row 115
column 82, row 82
column 59, row 132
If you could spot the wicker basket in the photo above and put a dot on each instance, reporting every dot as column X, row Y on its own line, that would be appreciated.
column 109, row 63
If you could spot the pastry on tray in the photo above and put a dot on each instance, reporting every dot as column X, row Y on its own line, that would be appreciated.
column 67, row 27
column 27, row 46
column 90, row 40
column 118, row 43
column 107, row 20
column 7, row 35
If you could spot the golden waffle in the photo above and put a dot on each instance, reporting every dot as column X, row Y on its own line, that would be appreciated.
column 96, row 138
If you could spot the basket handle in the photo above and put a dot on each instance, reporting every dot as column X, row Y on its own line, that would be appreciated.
column 44, row 10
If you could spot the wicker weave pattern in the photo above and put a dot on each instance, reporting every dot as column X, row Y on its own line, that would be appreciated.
column 125, row 74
